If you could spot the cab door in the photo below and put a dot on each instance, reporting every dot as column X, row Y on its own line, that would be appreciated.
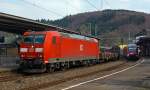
column 56, row 46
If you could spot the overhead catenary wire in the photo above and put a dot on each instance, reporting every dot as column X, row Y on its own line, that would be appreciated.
column 73, row 6
column 50, row 11
column 107, row 3
column 92, row 5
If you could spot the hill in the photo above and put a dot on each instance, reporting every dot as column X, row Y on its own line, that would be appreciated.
column 109, row 25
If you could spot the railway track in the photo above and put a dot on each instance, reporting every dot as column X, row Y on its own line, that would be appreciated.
column 9, row 76
column 17, row 76
column 44, row 80
column 13, row 75
column 62, row 80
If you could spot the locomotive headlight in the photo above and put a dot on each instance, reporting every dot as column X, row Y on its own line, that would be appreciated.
column 23, row 49
column 38, row 49
column 22, row 55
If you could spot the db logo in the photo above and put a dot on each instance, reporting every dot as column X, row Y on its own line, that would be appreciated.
column 81, row 47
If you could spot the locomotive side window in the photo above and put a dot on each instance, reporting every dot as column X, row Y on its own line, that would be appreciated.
column 54, row 40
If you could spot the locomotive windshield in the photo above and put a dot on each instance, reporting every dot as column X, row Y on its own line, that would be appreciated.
column 34, row 39
column 39, row 39
column 132, row 47
column 28, row 39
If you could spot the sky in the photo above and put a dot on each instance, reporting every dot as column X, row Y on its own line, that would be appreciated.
column 57, row 9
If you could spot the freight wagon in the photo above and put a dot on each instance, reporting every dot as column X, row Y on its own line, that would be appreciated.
column 110, row 53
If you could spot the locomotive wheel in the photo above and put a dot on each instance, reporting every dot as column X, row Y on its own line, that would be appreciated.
column 50, row 68
column 63, row 66
column 87, row 63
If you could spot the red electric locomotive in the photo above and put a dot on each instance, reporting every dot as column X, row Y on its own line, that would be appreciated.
column 49, row 50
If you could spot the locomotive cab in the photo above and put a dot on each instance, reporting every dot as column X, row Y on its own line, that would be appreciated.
column 132, row 52
column 32, row 50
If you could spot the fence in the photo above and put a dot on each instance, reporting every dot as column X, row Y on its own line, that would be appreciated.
column 8, row 56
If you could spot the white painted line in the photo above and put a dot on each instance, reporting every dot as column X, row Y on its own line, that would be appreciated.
column 76, row 85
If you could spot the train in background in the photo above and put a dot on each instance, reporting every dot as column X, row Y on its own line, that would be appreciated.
column 143, row 43
column 131, row 52
column 51, row 50
column 110, row 53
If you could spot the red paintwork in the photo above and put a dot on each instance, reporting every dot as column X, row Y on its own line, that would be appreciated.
column 65, row 47
column 30, row 54
column 78, row 48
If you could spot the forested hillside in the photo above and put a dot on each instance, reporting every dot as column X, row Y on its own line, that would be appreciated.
column 109, row 25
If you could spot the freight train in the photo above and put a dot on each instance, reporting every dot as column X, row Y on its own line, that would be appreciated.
column 50, row 50
column 110, row 53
